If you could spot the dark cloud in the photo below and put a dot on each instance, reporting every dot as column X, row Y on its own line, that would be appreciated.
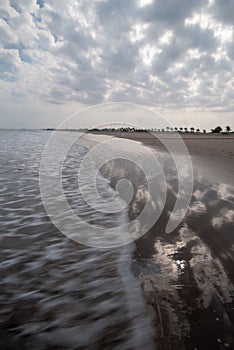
column 116, row 16
column 224, row 11
column 196, row 37
column 170, row 12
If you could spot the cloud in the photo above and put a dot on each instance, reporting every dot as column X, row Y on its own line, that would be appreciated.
column 170, row 12
column 171, row 53
column 224, row 12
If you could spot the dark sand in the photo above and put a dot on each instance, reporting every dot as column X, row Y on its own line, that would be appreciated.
column 187, row 276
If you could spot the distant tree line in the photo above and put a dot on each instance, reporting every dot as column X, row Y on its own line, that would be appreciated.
column 217, row 129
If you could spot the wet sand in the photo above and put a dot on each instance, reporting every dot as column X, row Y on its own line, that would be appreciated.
column 187, row 276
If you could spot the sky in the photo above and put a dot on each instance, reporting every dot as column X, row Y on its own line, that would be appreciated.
column 176, row 57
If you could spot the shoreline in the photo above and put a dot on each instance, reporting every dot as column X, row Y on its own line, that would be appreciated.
column 187, row 276
column 212, row 154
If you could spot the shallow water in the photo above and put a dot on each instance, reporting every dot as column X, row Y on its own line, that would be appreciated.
column 56, row 293
column 166, row 291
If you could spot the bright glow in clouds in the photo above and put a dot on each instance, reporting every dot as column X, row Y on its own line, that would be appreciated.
column 166, row 38
column 147, row 54
column 143, row 3
column 138, row 32
column 221, row 31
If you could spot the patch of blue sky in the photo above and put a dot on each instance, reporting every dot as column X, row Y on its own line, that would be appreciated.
column 20, row 47
column 11, row 46
column 8, row 72
column 35, row 17
column 41, row 3
column 56, row 38
column 5, row 16
column 16, row 7
column 24, row 57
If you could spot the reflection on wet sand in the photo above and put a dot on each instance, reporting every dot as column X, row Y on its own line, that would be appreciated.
column 187, row 276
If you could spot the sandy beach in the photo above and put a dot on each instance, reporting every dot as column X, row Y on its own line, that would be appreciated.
column 212, row 153
column 187, row 276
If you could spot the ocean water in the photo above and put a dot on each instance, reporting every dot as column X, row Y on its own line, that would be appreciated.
column 160, row 291
column 54, row 292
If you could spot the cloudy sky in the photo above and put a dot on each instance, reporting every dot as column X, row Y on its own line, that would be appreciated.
column 174, row 56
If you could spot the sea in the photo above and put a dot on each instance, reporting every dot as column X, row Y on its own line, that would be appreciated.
column 92, row 283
